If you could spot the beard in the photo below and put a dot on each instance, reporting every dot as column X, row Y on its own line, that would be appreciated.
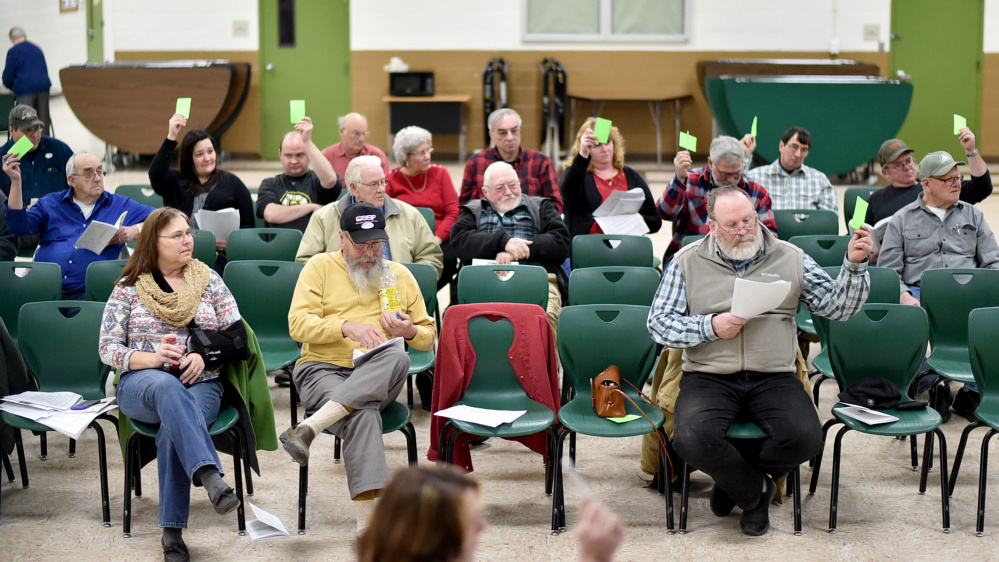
column 364, row 273
column 742, row 247
column 507, row 204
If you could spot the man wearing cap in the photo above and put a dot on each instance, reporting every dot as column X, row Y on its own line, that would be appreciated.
column 410, row 239
column 790, row 183
column 27, row 75
column 335, row 311
column 899, row 167
column 937, row 230
column 353, row 131
column 43, row 166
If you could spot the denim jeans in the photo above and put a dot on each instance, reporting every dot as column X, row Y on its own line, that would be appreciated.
column 707, row 406
column 182, row 442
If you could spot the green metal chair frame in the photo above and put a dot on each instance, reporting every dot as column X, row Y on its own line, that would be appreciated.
column 850, row 200
column 613, row 285
column 263, row 289
column 801, row 222
column 481, row 283
column 137, row 192
column 101, row 278
column 204, row 247
column 857, row 350
column 419, row 360
column 428, row 215
column 42, row 283
column 595, row 250
column 263, row 244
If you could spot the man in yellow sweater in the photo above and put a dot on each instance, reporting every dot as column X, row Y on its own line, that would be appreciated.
column 334, row 311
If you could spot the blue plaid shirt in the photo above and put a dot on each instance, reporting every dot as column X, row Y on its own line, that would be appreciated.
column 516, row 222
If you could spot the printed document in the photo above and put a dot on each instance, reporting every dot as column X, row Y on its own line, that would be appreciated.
column 97, row 235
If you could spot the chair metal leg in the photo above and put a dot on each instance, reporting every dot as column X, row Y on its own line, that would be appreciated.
column 983, row 473
column 452, row 441
column 558, row 492
column 410, row 432
column 103, row 465
column 666, row 482
column 550, row 436
column 684, row 496
column 336, row 449
column 795, row 477
column 927, row 455
column 21, row 464
column 293, row 404
column 572, row 450
column 913, row 452
column 834, row 488
column 236, row 435
column 817, row 461
column 131, row 475
column 72, row 448
column 815, row 387
column 303, row 491
column 7, row 468
column 944, row 492
column 956, row 467
column 409, row 390
column 43, row 445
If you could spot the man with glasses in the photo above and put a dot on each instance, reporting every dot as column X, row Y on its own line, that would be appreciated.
column 353, row 132
column 60, row 218
column 537, row 175
column 335, row 311
column 506, row 226
column 744, row 368
column 790, row 183
column 409, row 237
column 685, row 200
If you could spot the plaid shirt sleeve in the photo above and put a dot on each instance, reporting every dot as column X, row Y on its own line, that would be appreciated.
column 669, row 321
column 839, row 299
column 764, row 206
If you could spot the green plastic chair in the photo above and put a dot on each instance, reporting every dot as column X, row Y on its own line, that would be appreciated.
column 857, row 349
column 204, row 247
column 74, row 367
column 428, row 215
column 613, row 285
column 802, row 222
column 826, row 249
column 482, row 283
column 43, row 282
column 983, row 333
column 949, row 295
column 263, row 290
column 850, row 200
column 596, row 250
column 101, row 279
column 141, row 193
column 263, row 244
column 419, row 360
column 691, row 238
column 592, row 337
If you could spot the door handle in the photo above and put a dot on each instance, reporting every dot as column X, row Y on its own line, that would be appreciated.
column 895, row 37
column 269, row 67
column 903, row 75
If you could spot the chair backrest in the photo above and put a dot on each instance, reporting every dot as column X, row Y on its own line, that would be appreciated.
column 142, row 193
column 428, row 215
column 801, row 222
column 204, row 247
column 101, row 278
column 825, row 249
column 596, row 250
column 882, row 340
column 850, row 200
column 949, row 295
column 263, row 290
column 691, row 238
column 426, row 278
column 493, row 375
column 59, row 343
column 263, row 244
column 983, row 333
column 503, row 283
column 613, row 285
column 43, row 282
column 592, row 337
column 885, row 289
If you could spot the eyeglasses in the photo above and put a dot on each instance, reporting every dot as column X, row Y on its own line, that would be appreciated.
column 92, row 174
column 179, row 236
column 422, row 153
column 723, row 176
column 504, row 132
column 747, row 224
column 359, row 134
column 901, row 164
column 375, row 184
column 512, row 187
column 372, row 248
column 956, row 180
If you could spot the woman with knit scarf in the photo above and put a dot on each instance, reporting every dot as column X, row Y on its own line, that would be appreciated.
column 164, row 293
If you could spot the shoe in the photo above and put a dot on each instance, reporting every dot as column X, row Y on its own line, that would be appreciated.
column 721, row 504
column 176, row 553
column 296, row 441
column 941, row 398
column 226, row 501
column 756, row 522
column 282, row 379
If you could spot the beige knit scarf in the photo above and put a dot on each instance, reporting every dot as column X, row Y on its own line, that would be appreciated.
column 177, row 308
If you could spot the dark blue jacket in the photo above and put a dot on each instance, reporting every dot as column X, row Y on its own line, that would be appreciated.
column 43, row 170
column 25, row 72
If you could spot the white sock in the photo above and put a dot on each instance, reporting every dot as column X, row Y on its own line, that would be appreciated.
column 329, row 414
column 363, row 510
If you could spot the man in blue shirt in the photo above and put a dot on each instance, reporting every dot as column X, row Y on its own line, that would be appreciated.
column 60, row 218
column 27, row 75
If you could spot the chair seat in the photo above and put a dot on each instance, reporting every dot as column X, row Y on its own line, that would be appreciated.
column 578, row 416
column 822, row 364
column 804, row 320
column 23, row 423
column 420, row 360
column 955, row 364
column 278, row 353
column 395, row 417
column 538, row 418
column 227, row 418
column 912, row 422
column 745, row 431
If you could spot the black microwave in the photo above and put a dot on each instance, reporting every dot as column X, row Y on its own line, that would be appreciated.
column 411, row 83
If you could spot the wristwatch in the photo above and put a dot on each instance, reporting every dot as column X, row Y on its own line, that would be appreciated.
column 972, row 154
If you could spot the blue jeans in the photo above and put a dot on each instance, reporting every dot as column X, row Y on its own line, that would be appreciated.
column 182, row 442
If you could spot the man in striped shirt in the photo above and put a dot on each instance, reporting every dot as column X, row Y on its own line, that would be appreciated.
column 790, row 183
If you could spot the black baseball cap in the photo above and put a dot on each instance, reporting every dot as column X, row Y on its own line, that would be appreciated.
column 363, row 222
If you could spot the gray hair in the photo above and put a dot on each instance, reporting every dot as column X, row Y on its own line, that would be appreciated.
column 407, row 140
column 501, row 113
column 352, row 175
column 728, row 190
column 493, row 168
column 727, row 149
column 17, row 31
column 71, row 164
column 342, row 120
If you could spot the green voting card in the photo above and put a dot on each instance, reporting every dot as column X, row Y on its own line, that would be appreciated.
column 184, row 107
column 625, row 419
column 688, row 141
column 297, row 111
column 859, row 214
column 602, row 130
column 21, row 147
column 752, row 130
column 959, row 123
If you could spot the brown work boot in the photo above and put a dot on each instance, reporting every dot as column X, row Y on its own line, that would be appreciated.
column 296, row 441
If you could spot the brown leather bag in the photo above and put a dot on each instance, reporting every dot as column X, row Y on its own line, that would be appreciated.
column 608, row 400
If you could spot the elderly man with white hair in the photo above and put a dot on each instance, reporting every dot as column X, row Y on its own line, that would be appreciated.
column 353, row 132
column 685, row 201
column 409, row 237
column 506, row 226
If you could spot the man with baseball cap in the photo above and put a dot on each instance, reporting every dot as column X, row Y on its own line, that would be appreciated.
column 43, row 166
column 898, row 166
column 335, row 311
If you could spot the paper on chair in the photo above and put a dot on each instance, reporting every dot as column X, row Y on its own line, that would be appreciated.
column 71, row 423
column 265, row 526
column 621, row 203
column 97, row 235
column 361, row 357
column 480, row 261
column 45, row 400
column 220, row 222
column 632, row 224
column 481, row 416
column 865, row 415
column 752, row 298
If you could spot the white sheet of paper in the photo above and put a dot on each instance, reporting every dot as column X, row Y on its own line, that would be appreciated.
column 752, row 298
column 97, row 235
column 865, row 415
column 71, row 423
column 478, row 261
column 265, row 526
column 360, row 357
column 481, row 416
column 220, row 222
column 621, row 203
column 632, row 224
column 45, row 400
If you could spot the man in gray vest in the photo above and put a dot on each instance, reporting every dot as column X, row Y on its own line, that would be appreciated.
column 744, row 368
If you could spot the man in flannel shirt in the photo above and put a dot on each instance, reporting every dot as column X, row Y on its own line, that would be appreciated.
column 685, row 200
column 790, row 183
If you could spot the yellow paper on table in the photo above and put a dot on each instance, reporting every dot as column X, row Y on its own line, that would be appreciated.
column 959, row 123
column 297, row 111
column 859, row 214
column 184, row 107
column 752, row 130
column 21, row 147
column 688, row 141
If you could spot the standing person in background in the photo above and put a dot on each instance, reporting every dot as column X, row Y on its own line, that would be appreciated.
column 353, row 131
column 27, row 75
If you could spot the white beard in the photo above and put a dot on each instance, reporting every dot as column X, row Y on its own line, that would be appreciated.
column 364, row 276
column 745, row 248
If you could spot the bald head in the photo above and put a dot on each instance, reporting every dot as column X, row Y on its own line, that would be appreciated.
column 294, row 155
column 353, row 131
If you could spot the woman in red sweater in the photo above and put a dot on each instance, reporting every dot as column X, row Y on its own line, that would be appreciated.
column 423, row 184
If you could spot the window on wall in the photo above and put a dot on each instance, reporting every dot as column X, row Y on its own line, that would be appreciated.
column 604, row 20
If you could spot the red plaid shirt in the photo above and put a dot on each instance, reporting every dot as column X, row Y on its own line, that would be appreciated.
column 537, row 175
